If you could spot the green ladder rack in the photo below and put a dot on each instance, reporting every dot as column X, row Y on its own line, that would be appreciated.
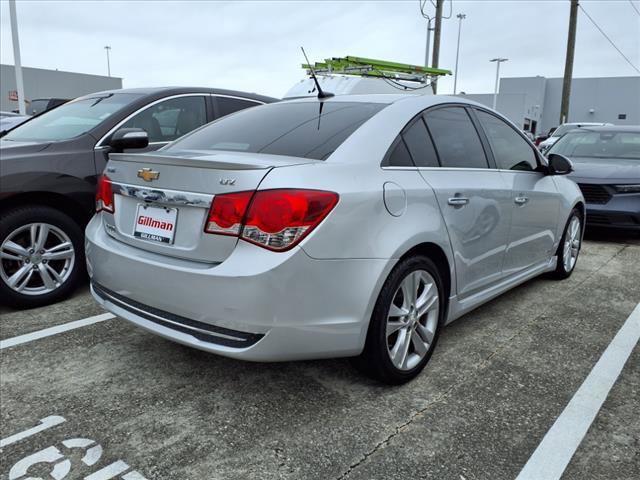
column 370, row 67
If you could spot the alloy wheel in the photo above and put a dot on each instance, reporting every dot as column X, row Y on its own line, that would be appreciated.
column 571, row 244
column 412, row 320
column 36, row 259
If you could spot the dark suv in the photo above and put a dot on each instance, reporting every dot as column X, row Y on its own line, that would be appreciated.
column 48, row 174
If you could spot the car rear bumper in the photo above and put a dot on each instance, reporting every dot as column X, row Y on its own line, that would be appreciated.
column 256, row 305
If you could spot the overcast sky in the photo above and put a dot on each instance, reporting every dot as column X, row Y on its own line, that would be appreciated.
column 254, row 46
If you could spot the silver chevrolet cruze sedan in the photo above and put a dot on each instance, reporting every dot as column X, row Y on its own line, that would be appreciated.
column 352, row 226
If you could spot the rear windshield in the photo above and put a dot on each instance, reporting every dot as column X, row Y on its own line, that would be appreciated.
column 588, row 144
column 298, row 129
column 71, row 119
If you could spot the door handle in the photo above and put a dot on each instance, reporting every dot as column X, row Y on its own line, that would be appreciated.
column 458, row 201
column 521, row 200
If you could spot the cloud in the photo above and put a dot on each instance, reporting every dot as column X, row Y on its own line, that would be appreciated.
column 254, row 46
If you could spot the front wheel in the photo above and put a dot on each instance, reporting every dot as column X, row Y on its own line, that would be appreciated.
column 405, row 322
column 41, row 256
column 570, row 245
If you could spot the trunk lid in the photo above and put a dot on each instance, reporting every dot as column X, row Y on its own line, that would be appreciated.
column 162, row 200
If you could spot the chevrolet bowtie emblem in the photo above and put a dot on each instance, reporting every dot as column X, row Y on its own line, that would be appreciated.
column 148, row 175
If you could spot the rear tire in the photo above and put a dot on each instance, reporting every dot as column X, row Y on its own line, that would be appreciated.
column 41, row 256
column 570, row 246
column 405, row 322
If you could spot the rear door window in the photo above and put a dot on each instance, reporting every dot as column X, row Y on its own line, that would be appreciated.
column 300, row 129
column 511, row 151
column 398, row 156
column 455, row 138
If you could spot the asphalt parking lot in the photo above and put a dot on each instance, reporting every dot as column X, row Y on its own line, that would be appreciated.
column 500, row 377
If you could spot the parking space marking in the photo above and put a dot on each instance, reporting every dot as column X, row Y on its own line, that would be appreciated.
column 45, row 423
column 110, row 471
column 61, row 464
column 560, row 443
column 47, row 332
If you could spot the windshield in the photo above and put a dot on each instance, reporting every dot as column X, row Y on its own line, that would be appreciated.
column 37, row 106
column 71, row 119
column 587, row 144
column 562, row 129
column 298, row 129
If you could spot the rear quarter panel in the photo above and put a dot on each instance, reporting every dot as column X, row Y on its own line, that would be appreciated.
column 360, row 226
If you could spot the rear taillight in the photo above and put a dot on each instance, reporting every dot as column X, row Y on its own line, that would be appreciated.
column 227, row 212
column 276, row 219
column 104, row 195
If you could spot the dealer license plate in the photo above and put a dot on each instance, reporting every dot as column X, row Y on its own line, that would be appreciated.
column 156, row 224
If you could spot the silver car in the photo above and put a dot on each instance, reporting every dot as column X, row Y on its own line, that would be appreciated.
column 546, row 145
column 353, row 226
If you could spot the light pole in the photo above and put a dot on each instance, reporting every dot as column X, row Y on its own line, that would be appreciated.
column 460, row 16
column 495, row 90
column 16, row 57
column 107, row 48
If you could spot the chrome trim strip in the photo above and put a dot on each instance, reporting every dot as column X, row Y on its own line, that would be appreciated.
column 519, row 171
column 400, row 168
column 458, row 169
column 128, row 306
column 164, row 196
column 236, row 97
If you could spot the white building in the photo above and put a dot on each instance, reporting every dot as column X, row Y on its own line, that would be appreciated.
column 42, row 83
column 533, row 103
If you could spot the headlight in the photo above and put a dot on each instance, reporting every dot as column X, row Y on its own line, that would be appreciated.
column 627, row 188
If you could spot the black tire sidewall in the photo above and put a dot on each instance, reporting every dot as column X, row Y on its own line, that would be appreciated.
column 17, row 217
column 375, row 358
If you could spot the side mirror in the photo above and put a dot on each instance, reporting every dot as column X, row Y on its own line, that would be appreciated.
column 127, row 138
column 559, row 164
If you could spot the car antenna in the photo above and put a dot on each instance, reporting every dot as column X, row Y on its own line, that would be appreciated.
column 321, row 93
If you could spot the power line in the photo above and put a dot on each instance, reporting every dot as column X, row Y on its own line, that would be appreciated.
column 610, row 41
column 634, row 7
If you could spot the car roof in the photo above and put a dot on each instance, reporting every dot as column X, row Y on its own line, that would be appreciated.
column 159, row 92
column 613, row 128
column 389, row 98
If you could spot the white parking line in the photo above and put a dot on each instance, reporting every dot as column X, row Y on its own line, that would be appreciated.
column 45, row 423
column 47, row 332
column 558, row 446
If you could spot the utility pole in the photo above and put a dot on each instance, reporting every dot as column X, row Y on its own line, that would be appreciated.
column 436, row 42
column 568, row 65
column 495, row 90
column 107, row 48
column 426, row 52
column 16, row 57
column 460, row 16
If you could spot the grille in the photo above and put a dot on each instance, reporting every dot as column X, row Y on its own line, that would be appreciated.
column 594, row 193
column 597, row 218
column 612, row 219
column 201, row 331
